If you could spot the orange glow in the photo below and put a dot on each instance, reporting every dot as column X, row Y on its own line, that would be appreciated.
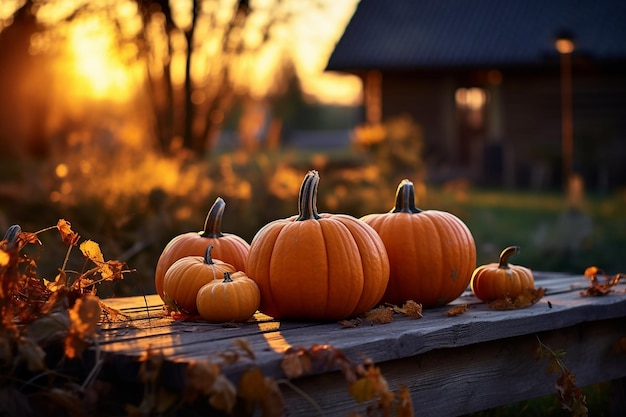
column 273, row 337
column 97, row 64
column 94, row 66
column 564, row 46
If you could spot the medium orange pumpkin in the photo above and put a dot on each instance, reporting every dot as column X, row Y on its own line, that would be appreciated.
column 500, row 279
column 227, row 247
column 432, row 253
column 317, row 266
column 187, row 275
column 235, row 298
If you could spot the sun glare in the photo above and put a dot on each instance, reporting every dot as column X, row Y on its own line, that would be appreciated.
column 97, row 63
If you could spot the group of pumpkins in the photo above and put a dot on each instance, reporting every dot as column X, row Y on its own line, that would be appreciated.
column 321, row 266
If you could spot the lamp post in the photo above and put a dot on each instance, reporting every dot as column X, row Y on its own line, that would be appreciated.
column 565, row 46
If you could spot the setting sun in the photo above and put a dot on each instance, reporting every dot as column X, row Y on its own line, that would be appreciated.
column 98, row 64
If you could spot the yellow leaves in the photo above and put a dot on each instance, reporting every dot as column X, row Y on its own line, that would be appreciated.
column 68, row 236
column 205, row 378
column 4, row 259
column 84, row 318
column 108, row 270
column 259, row 391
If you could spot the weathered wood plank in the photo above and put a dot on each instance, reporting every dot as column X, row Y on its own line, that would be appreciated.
column 456, row 381
column 452, row 365
column 402, row 338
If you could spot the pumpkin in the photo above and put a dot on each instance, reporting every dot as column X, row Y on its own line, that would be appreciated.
column 187, row 275
column 317, row 266
column 227, row 247
column 235, row 298
column 431, row 253
column 501, row 280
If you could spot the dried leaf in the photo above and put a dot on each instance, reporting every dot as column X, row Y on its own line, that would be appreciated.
column 295, row 363
column 200, row 377
column 570, row 396
column 92, row 251
column 410, row 309
column 526, row 299
column 274, row 404
column 67, row 235
column 251, row 385
column 380, row 315
column 457, row 310
column 362, row 389
column 4, row 258
column 84, row 319
column 371, row 384
column 25, row 238
column 348, row 324
column 404, row 407
column 596, row 287
column 224, row 395
column 59, row 282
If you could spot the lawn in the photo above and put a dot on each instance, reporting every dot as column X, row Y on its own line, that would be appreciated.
column 552, row 236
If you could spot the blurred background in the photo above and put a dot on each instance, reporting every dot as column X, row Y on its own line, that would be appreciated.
column 128, row 118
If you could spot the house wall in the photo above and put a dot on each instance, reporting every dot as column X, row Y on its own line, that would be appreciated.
column 522, row 138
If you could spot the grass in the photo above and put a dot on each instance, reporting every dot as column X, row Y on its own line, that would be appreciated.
column 552, row 237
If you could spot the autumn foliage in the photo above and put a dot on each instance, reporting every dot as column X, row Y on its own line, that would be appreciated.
column 39, row 315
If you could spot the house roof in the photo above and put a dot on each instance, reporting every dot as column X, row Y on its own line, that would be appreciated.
column 386, row 34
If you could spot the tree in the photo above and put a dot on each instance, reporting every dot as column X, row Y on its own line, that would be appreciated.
column 193, row 52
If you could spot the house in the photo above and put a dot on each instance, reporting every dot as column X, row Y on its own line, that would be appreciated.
column 494, row 97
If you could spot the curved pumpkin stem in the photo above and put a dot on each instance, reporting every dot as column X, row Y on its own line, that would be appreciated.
column 505, row 254
column 307, row 199
column 208, row 259
column 227, row 277
column 12, row 232
column 213, row 222
column 405, row 198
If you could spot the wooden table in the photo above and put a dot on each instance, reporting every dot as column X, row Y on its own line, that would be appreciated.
column 452, row 365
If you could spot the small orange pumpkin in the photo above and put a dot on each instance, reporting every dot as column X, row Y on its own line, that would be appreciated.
column 227, row 247
column 187, row 275
column 500, row 280
column 432, row 253
column 317, row 266
column 236, row 298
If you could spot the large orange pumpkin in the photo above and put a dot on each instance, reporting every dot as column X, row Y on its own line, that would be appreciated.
column 187, row 275
column 500, row 280
column 317, row 266
column 432, row 253
column 227, row 247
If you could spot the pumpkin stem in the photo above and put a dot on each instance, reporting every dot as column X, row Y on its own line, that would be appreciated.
column 11, row 234
column 307, row 199
column 213, row 222
column 505, row 254
column 208, row 259
column 405, row 198
column 227, row 277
